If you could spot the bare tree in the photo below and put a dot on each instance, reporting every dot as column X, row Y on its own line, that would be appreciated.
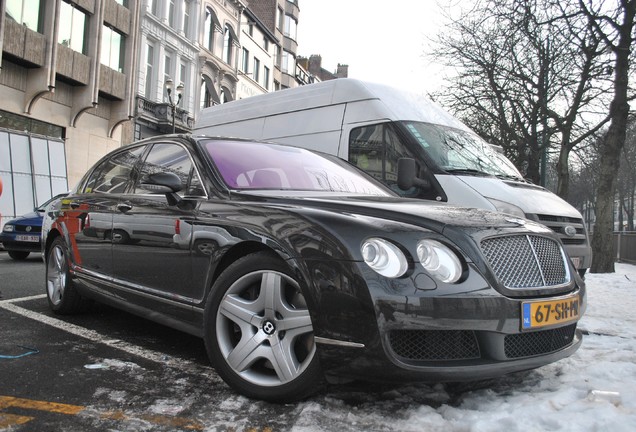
column 616, row 28
column 529, row 72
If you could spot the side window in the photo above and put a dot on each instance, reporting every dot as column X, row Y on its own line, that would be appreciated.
column 112, row 175
column 175, row 159
column 366, row 149
column 376, row 150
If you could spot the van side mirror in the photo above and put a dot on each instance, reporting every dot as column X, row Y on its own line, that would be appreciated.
column 407, row 175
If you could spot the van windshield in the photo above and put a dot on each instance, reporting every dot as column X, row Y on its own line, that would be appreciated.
column 461, row 152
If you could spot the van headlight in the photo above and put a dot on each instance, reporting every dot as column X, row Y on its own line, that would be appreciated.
column 384, row 257
column 439, row 260
column 8, row 228
column 506, row 207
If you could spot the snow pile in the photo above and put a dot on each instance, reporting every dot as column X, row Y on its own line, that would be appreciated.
column 594, row 390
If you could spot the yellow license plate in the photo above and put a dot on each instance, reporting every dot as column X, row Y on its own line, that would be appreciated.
column 546, row 313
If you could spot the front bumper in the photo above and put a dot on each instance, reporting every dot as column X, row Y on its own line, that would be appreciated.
column 9, row 243
column 459, row 333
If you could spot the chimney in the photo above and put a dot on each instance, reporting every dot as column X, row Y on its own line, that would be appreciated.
column 343, row 71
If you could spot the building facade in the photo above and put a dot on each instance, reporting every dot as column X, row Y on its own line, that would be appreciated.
column 258, row 48
column 81, row 77
column 67, row 92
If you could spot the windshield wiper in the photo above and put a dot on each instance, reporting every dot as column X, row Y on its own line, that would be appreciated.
column 511, row 177
column 468, row 171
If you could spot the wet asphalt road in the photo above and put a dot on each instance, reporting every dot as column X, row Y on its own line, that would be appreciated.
column 108, row 370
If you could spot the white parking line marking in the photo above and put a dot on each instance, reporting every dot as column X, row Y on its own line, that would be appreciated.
column 96, row 337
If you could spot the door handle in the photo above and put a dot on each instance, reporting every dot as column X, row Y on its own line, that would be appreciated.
column 124, row 207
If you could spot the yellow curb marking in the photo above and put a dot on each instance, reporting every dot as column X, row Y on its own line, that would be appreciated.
column 7, row 420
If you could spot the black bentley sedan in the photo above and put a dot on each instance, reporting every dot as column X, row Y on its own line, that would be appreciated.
column 298, row 269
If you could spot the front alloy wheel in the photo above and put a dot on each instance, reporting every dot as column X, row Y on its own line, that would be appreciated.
column 258, row 331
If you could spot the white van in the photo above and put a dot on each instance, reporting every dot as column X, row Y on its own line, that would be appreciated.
column 374, row 126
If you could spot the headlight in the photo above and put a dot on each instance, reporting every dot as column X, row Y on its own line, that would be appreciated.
column 384, row 257
column 8, row 228
column 506, row 207
column 439, row 261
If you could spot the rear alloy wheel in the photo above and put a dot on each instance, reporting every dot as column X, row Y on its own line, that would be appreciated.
column 258, row 331
column 61, row 293
column 18, row 255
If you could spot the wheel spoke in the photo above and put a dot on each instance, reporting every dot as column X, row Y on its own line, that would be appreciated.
column 272, row 293
column 284, row 360
column 296, row 323
column 241, row 312
column 249, row 349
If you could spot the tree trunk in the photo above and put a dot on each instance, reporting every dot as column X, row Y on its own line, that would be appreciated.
column 563, row 173
column 603, row 241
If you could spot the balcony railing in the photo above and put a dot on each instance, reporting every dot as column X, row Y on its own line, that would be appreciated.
column 161, row 114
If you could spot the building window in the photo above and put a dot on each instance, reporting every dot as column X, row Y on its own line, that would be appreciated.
column 257, row 69
column 279, row 18
column 167, row 67
column 149, row 71
column 288, row 64
column 186, row 18
column 211, row 22
column 246, row 59
column 290, row 28
column 266, row 44
column 266, row 77
column 183, row 79
column 228, row 41
column 26, row 12
column 171, row 12
column 73, row 33
column 152, row 6
column 33, row 169
column 112, row 49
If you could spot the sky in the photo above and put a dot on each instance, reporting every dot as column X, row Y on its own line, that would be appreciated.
column 384, row 42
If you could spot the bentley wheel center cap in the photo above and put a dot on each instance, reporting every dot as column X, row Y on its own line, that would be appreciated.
column 269, row 328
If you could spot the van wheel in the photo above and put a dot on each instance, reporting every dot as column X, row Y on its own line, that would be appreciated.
column 258, row 331
column 62, row 295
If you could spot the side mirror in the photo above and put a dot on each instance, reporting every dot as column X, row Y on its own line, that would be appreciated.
column 164, row 183
column 407, row 175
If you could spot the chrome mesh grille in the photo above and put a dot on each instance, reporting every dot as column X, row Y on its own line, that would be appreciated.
column 537, row 343
column 434, row 344
column 526, row 261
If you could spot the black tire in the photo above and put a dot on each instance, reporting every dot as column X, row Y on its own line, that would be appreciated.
column 61, row 294
column 19, row 255
column 258, row 332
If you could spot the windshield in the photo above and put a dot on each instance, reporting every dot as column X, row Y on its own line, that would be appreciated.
column 455, row 150
column 252, row 165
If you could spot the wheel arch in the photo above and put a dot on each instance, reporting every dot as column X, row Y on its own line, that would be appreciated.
column 245, row 248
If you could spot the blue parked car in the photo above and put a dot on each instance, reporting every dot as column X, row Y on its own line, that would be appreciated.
column 21, row 236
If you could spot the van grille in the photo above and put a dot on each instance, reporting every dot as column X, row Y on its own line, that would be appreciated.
column 558, row 224
column 526, row 261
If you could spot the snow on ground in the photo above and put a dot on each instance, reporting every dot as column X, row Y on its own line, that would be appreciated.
column 594, row 390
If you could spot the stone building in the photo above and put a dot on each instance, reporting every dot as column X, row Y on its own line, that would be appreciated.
column 67, row 92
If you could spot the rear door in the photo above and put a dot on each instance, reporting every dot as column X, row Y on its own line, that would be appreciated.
column 88, row 214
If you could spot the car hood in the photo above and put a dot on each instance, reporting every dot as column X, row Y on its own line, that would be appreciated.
column 32, row 218
column 427, row 214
